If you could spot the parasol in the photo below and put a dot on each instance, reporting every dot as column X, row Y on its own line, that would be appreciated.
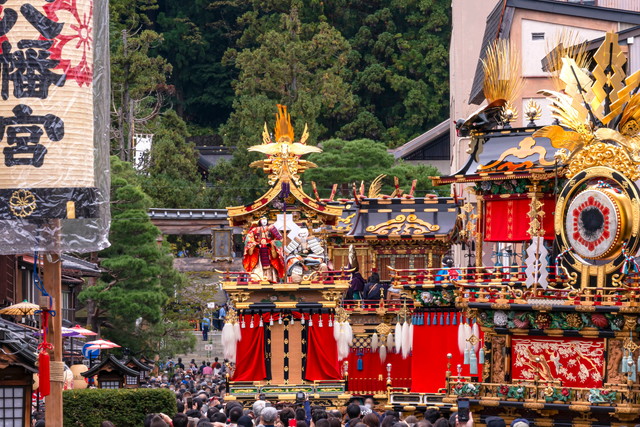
column 83, row 331
column 102, row 344
column 23, row 308
column 66, row 332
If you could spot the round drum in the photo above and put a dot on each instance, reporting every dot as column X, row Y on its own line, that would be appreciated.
column 596, row 223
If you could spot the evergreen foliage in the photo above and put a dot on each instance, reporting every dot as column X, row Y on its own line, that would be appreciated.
column 123, row 407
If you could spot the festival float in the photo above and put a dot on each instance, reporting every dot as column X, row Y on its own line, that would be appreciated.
column 552, row 220
column 539, row 316
column 294, row 326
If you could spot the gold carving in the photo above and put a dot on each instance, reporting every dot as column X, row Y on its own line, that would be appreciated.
column 629, row 323
column 284, row 154
column 603, row 154
column 533, row 111
column 22, row 203
column 402, row 224
column 498, row 359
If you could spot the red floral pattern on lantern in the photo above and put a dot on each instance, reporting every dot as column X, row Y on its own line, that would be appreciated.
column 599, row 320
column 77, row 34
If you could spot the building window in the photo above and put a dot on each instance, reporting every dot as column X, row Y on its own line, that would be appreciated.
column 537, row 36
column 132, row 380
column 110, row 384
column 12, row 406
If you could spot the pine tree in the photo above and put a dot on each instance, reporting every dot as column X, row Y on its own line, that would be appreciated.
column 138, row 276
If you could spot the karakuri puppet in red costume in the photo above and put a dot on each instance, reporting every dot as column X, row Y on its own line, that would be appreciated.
column 263, row 252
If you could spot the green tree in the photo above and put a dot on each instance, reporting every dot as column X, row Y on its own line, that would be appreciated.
column 172, row 179
column 348, row 162
column 301, row 66
column 139, row 276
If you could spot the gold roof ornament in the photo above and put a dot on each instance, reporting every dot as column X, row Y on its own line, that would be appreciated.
column 588, row 135
column 284, row 154
column 283, row 166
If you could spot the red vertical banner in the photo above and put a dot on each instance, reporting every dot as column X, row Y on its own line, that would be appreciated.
column 367, row 373
column 431, row 344
column 250, row 360
column 322, row 351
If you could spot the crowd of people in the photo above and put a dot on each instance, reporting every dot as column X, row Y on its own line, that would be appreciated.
column 201, row 401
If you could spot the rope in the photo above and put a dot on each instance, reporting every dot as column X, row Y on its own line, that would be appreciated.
column 57, row 372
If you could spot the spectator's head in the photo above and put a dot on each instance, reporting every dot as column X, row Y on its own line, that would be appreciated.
column 441, row 422
column 219, row 417
column 411, row 420
column 369, row 402
column 432, row 415
column 371, row 420
column 353, row 411
column 334, row 413
column 388, row 421
column 301, row 423
column 40, row 423
column 269, row 416
column 322, row 422
column 194, row 413
column 258, row 406
column 453, row 419
column 495, row 422
column 301, row 415
column 204, row 423
column 285, row 415
column 318, row 414
column 157, row 421
column 180, row 420
column 245, row 421
column 334, row 422
column 235, row 413
column 520, row 422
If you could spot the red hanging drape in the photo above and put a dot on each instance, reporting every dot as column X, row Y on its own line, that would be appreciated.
column 250, row 360
column 322, row 351
column 507, row 220
column 429, row 363
column 373, row 376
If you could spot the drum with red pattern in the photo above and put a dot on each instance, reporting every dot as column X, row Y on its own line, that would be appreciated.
column 593, row 223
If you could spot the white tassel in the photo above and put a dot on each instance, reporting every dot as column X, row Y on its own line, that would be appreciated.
column 336, row 331
column 461, row 341
column 411, row 335
column 406, row 340
column 398, row 343
column 475, row 330
column 229, row 342
column 390, row 341
column 383, row 353
column 374, row 341
column 348, row 336
column 238, row 331
column 467, row 333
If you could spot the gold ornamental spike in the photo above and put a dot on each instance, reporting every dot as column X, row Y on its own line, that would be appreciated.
column 284, row 129
column 609, row 76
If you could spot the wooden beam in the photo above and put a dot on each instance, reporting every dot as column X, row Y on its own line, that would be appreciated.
column 53, row 286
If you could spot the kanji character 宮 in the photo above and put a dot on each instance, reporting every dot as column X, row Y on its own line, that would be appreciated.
column 23, row 136
column 29, row 69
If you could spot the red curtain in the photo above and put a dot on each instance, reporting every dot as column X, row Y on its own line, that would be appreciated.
column 507, row 220
column 373, row 376
column 429, row 363
column 250, row 360
column 322, row 351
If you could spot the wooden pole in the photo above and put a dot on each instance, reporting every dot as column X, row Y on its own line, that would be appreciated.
column 53, row 286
